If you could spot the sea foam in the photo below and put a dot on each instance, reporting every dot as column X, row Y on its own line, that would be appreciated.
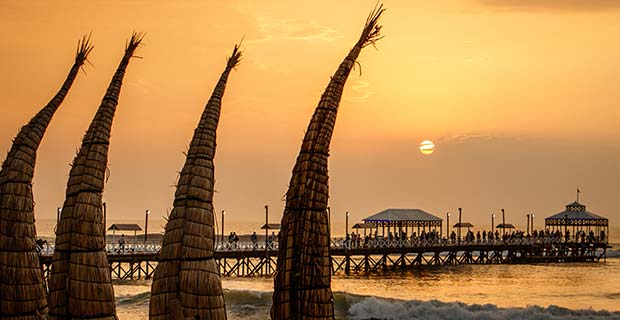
column 371, row 308
column 254, row 305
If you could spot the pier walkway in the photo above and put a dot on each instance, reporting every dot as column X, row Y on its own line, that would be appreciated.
column 243, row 259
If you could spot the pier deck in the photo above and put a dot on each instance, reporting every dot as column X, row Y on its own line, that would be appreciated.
column 138, row 261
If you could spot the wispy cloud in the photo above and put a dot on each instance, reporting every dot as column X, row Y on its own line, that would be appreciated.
column 360, row 89
column 271, row 28
column 555, row 5
column 139, row 84
column 469, row 138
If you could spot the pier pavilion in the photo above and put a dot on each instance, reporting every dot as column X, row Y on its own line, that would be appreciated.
column 125, row 227
column 403, row 221
column 576, row 217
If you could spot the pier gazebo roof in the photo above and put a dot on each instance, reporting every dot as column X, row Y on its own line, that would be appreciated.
column 576, row 214
column 463, row 225
column 505, row 226
column 271, row 226
column 125, row 227
column 403, row 215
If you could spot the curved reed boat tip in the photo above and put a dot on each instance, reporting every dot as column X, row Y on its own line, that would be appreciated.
column 24, row 291
column 302, row 284
column 186, row 282
column 80, row 282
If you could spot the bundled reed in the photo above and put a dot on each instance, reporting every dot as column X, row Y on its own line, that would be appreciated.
column 22, row 287
column 302, row 285
column 80, row 284
column 186, row 282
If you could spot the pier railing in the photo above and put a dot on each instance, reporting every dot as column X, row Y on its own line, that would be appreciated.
column 336, row 243
column 344, row 243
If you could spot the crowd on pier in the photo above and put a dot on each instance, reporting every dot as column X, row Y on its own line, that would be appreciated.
column 433, row 237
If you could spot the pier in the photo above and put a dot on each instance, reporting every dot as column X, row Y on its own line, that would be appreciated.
column 380, row 256
column 393, row 240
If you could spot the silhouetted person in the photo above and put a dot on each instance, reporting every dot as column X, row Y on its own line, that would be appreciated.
column 254, row 239
column 121, row 243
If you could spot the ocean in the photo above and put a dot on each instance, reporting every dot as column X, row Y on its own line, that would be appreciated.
column 541, row 291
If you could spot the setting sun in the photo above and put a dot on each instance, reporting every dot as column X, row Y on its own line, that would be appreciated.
column 427, row 147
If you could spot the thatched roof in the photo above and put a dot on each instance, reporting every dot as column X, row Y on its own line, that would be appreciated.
column 125, row 227
column 402, row 215
column 505, row 226
column 22, row 286
column 271, row 226
column 302, row 284
column 463, row 225
column 187, row 278
column 80, row 283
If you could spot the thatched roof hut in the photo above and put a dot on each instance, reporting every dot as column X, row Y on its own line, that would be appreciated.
column 187, row 278
column 302, row 285
column 80, row 284
column 22, row 287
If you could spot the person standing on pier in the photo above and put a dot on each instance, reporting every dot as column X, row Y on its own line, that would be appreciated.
column 254, row 239
column 121, row 244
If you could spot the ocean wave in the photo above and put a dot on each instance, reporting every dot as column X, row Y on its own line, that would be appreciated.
column 246, row 304
column 373, row 308
column 137, row 299
column 254, row 305
column 613, row 252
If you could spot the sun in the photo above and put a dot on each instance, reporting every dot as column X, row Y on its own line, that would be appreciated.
column 427, row 147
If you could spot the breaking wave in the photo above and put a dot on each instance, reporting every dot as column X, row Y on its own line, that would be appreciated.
column 254, row 305
column 614, row 252
column 371, row 308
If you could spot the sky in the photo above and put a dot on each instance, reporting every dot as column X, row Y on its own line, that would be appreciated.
column 520, row 98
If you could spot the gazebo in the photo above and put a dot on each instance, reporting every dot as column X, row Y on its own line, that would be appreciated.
column 271, row 226
column 576, row 217
column 400, row 220
column 125, row 227
column 463, row 225
column 505, row 226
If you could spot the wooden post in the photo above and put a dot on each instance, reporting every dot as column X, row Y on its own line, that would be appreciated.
column 347, row 244
column 222, row 237
column 346, row 230
column 459, row 229
column 146, row 225
column 448, row 225
column 266, row 226
column 503, row 223
column 528, row 223
column 268, row 261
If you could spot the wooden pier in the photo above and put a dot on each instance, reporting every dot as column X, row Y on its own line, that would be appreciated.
column 249, row 259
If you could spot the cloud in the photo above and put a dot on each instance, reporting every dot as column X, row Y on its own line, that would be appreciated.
column 359, row 88
column 473, row 138
column 140, row 85
column 271, row 28
column 555, row 5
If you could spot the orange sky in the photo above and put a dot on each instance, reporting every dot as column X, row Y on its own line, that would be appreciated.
column 520, row 97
